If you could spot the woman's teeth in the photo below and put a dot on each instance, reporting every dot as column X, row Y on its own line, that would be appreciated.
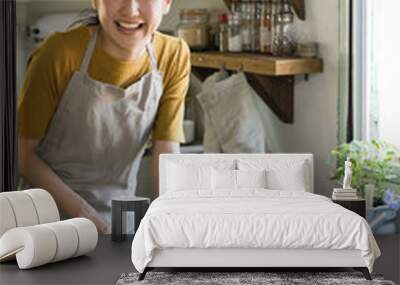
column 129, row 25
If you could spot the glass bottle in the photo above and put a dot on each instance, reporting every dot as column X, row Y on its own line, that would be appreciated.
column 247, row 22
column 255, row 10
column 274, row 11
column 277, row 9
column 235, row 6
column 266, row 26
column 223, row 33
column 234, row 33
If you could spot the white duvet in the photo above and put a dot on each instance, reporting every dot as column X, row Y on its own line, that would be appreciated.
column 251, row 218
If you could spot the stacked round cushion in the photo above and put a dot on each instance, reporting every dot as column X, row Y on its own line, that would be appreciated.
column 31, row 232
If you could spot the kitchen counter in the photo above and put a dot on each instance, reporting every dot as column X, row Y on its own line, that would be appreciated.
column 102, row 266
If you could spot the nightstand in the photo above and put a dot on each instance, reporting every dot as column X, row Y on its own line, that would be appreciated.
column 358, row 206
column 138, row 205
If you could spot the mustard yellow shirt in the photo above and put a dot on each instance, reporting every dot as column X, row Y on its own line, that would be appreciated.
column 51, row 66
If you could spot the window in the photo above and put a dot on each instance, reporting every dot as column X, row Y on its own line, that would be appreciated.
column 376, row 68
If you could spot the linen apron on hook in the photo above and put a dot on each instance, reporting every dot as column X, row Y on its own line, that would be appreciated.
column 99, row 132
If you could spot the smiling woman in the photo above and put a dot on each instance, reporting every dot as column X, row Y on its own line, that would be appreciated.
column 93, row 97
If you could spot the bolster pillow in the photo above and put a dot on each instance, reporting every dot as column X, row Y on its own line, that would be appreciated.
column 26, row 208
column 41, row 244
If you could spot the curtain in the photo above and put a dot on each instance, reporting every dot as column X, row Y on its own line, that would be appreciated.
column 345, row 96
column 8, row 141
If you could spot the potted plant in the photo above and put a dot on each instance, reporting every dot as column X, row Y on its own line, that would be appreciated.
column 374, row 163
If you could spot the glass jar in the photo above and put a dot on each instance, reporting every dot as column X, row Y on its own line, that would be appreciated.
column 194, row 28
column 283, row 43
column 266, row 26
column 247, row 20
column 223, row 33
column 234, row 34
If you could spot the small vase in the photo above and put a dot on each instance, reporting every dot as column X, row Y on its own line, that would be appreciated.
column 369, row 195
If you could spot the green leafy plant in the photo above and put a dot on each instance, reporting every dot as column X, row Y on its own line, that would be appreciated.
column 373, row 162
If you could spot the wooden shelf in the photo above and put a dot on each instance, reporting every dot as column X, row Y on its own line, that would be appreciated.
column 257, row 64
column 271, row 77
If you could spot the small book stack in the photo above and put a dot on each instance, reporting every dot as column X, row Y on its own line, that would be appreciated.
column 344, row 194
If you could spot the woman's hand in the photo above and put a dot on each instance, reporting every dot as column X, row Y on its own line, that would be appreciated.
column 39, row 174
column 87, row 211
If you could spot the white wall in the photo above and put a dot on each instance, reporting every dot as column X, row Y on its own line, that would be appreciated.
column 315, row 127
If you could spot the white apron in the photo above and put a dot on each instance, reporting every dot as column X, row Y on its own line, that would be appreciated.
column 99, row 132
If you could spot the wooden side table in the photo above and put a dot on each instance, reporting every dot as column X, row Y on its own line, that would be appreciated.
column 358, row 206
column 138, row 205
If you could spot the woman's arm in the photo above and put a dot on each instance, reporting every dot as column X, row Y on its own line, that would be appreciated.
column 39, row 174
column 168, row 127
column 160, row 147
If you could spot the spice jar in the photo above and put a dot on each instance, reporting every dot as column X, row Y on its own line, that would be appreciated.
column 223, row 33
column 266, row 26
column 247, row 20
column 255, row 9
column 235, row 6
column 234, row 35
column 194, row 28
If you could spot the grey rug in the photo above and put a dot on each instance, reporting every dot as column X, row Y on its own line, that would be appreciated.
column 244, row 278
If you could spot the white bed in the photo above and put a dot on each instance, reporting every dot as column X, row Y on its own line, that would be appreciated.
column 199, row 224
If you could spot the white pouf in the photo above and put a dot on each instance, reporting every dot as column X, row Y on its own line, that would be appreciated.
column 41, row 244
column 45, row 205
column 30, row 230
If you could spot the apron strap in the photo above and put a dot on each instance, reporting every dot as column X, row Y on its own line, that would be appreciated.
column 89, row 52
column 153, row 59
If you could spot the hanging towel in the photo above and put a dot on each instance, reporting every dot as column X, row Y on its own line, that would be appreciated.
column 231, row 116
column 210, row 141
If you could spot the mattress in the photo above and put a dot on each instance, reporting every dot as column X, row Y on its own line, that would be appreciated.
column 250, row 219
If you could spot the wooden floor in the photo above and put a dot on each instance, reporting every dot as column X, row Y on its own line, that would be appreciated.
column 110, row 260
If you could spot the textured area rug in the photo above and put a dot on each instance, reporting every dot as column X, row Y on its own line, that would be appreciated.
column 244, row 278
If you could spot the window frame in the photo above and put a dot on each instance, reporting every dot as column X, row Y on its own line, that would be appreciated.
column 360, row 70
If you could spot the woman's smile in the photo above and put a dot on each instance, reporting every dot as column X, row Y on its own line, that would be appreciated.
column 128, row 25
column 129, row 28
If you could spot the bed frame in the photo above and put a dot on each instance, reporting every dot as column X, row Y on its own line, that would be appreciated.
column 249, row 259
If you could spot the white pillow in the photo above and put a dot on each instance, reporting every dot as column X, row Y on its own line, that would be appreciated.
column 223, row 179
column 251, row 178
column 237, row 179
column 181, row 177
column 292, row 179
column 286, row 174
